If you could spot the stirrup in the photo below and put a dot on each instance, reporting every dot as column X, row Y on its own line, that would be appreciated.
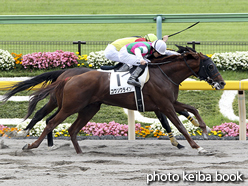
column 132, row 81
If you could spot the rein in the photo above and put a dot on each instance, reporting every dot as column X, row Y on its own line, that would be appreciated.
column 168, row 77
column 170, row 62
column 167, row 62
column 193, row 72
column 158, row 65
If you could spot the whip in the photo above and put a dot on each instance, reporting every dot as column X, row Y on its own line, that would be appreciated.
column 184, row 29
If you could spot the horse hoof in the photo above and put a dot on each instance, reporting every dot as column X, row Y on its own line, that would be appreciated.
column 206, row 153
column 208, row 129
column 22, row 133
column 180, row 146
column 12, row 134
column 25, row 147
column 203, row 152
column 56, row 147
column 205, row 136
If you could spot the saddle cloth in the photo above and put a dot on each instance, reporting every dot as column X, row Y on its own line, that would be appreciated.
column 119, row 85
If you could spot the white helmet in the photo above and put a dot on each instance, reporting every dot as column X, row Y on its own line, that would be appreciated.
column 159, row 46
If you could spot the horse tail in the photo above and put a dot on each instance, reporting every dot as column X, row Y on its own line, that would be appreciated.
column 42, row 93
column 30, row 83
column 59, row 91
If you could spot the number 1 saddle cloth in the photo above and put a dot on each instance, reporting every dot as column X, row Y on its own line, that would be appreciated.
column 119, row 85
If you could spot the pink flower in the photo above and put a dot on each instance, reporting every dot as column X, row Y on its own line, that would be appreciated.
column 3, row 127
column 47, row 60
column 112, row 128
column 229, row 129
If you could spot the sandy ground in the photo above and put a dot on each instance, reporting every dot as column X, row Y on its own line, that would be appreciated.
column 123, row 162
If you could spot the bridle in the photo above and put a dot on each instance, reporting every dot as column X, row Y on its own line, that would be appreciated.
column 208, row 72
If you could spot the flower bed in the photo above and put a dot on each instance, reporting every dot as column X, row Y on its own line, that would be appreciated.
column 225, row 61
column 231, row 60
column 116, row 129
column 47, row 60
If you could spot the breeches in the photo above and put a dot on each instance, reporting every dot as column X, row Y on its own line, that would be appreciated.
column 112, row 53
column 129, row 59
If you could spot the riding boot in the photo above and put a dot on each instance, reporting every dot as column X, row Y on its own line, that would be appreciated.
column 133, row 79
column 123, row 68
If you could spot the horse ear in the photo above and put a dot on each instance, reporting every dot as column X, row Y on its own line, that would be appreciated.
column 189, row 48
column 194, row 54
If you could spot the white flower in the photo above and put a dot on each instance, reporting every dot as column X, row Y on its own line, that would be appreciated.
column 188, row 125
column 7, row 61
column 231, row 60
column 39, row 127
column 98, row 59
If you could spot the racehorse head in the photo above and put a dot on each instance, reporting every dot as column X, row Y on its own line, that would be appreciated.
column 209, row 72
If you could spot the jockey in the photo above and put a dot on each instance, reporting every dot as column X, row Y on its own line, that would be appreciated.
column 112, row 50
column 133, row 55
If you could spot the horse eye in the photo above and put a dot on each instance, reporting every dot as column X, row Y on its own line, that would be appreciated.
column 211, row 67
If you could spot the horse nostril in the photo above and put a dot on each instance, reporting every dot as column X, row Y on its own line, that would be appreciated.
column 223, row 83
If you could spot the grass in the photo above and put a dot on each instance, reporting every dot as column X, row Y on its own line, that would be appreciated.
column 24, row 73
column 38, row 7
column 230, row 31
column 111, row 32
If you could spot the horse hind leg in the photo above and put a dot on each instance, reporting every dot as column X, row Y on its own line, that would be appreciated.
column 59, row 118
column 163, row 120
column 189, row 117
column 39, row 115
column 182, row 107
column 83, row 117
column 50, row 134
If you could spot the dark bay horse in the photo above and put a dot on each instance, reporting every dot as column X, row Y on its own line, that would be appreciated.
column 84, row 94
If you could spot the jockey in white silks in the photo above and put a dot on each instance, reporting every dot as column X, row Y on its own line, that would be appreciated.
column 133, row 55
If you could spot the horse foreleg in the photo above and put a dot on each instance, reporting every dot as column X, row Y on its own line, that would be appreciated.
column 182, row 107
column 171, row 114
column 83, row 117
column 163, row 120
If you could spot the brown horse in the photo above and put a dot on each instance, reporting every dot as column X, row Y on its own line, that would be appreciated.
column 52, row 104
column 84, row 94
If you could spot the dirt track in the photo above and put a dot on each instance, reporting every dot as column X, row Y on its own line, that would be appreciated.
column 122, row 162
